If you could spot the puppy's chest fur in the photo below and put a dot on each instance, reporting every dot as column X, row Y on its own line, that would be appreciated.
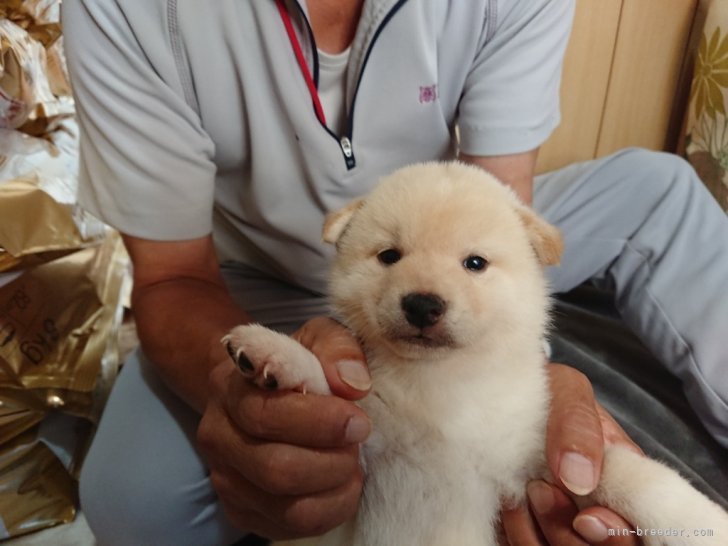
column 444, row 453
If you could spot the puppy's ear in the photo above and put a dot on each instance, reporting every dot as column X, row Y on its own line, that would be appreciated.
column 544, row 238
column 336, row 222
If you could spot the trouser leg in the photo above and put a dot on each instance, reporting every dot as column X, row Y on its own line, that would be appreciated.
column 143, row 482
column 644, row 222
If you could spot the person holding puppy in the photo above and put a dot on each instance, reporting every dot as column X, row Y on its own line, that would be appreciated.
column 215, row 137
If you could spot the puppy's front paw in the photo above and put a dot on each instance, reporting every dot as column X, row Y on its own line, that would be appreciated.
column 275, row 361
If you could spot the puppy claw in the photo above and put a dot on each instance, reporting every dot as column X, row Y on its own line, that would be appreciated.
column 238, row 356
column 244, row 363
column 229, row 348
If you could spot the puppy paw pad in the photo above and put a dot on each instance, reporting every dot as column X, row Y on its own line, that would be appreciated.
column 274, row 361
column 238, row 356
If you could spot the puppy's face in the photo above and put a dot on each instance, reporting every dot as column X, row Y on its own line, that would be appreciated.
column 440, row 257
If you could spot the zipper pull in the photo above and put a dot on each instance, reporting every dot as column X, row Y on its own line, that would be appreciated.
column 348, row 151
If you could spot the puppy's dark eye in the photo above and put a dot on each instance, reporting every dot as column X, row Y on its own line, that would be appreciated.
column 389, row 256
column 475, row 263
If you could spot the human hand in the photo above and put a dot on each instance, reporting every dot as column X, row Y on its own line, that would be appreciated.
column 578, row 428
column 285, row 464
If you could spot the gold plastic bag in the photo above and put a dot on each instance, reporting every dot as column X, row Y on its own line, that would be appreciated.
column 59, row 329
column 41, row 219
column 40, row 18
column 34, row 89
column 16, row 419
column 36, row 490
column 59, row 326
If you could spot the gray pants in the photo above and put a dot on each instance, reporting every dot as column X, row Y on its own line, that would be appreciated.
column 639, row 220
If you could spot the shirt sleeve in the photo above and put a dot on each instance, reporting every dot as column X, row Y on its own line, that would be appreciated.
column 510, row 102
column 146, row 164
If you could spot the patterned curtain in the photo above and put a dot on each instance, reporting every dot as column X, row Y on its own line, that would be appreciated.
column 706, row 144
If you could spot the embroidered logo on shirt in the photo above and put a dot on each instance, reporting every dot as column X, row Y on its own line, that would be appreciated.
column 428, row 93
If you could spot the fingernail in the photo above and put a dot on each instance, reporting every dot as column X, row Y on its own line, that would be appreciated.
column 577, row 473
column 357, row 429
column 591, row 528
column 540, row 496
column 355, row 374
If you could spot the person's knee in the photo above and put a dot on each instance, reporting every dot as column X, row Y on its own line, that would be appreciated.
column 119, row 507
column 137, row 499
column 660, row 174
column 143, row 481
column 132, row 504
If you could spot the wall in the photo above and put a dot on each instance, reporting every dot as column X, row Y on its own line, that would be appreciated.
column 624, row 80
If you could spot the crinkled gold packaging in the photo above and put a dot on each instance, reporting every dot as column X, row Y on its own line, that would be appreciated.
column 16, row 419
column 59, row 325
column 59, row 353
column 64, row 279
column 34, row 89
column 39, row 215
column 59, row 331
column 36, row 490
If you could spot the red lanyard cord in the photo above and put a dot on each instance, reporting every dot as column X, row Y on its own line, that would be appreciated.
column 285, row 17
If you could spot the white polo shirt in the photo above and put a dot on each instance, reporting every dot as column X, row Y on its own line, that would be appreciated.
column 195, row 116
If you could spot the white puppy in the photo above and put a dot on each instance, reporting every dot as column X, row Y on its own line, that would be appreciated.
column 439, row 273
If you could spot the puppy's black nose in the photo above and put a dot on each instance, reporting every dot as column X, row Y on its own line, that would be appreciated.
column 422, row 310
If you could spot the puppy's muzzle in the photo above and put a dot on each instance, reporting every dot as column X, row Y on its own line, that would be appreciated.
column 423, row 310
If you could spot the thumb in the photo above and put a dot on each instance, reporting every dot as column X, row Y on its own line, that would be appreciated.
column 340, row 354
column 601, row 526
column 574, row 440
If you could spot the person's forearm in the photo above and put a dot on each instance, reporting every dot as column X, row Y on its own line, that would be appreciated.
column 180, row 323
column 515, row 170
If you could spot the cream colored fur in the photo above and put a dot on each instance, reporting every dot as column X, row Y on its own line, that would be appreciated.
column 458, row 407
